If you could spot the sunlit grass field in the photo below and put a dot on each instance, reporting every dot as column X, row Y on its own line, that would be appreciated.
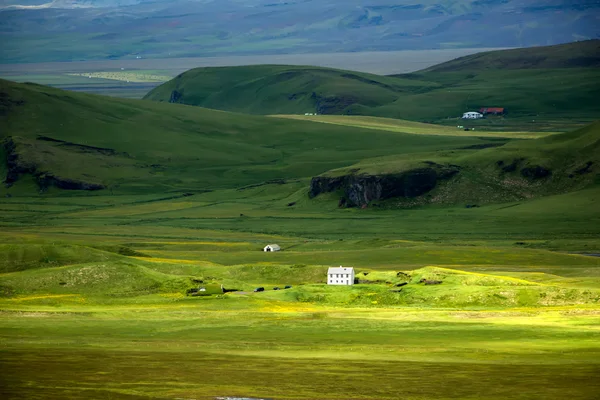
column 398, row 125
column 93, row 293
column 133, row 76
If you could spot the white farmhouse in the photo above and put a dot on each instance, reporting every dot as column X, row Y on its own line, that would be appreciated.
column 272, row 247
column 472, row 115
column 340, row 276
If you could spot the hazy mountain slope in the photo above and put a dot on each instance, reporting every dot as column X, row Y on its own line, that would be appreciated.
column 53, row 138
column 76, row 30
column 471, row 83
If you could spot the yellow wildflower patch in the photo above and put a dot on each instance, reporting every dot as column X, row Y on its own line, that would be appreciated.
column 225, row 244
column 70, row 297
column 286, row 308
column 504, row 277
column 172, row 295
column 175, row 261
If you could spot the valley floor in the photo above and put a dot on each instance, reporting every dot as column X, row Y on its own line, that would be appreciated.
column 93, row 299
column 211, row 348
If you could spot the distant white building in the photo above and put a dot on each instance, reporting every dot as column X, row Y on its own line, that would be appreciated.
column 340, row 276
column 272, row 247
column 472, row 115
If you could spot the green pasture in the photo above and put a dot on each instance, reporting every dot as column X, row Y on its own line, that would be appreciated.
column 93, row 293
column 398, row 125
column 490, row 290
column 271, row 352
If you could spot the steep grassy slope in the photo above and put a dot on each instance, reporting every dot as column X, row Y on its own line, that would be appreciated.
column 546, row 83
column 511, row 172
column 79, row 141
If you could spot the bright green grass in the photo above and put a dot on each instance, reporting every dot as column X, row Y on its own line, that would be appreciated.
column 298, row 354
column 129, row 76
column 99, row 318
column 396, row 125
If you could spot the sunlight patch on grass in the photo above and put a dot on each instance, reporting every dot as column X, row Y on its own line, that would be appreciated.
column 403, row 126
column 138, row 76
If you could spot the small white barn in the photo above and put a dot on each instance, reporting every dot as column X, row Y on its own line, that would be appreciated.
column 340, row 276
column 472, row 115
column 272, row 247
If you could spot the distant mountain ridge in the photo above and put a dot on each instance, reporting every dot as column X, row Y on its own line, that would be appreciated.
column 522, row 80
column 585, row 54
column 65, row 4
column 114, row 29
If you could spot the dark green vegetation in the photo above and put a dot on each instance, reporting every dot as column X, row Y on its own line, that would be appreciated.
column 179, row 28
column 530, row 84
column 503, row 172
column 141, row 146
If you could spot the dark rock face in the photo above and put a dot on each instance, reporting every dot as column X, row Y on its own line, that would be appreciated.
column 18, row 166
column 320, row 185
column 510, row 167
column 332, row 104
column 360, row 190
column 15, row 163
column 587, row 168
column 175, row 96
column 81, row 147
column 7, row 103
column 535, row 172
column 47, row 180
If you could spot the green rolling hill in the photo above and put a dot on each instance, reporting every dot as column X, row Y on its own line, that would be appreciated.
column 58, row 139
column 54, row 140
column 545, row 83
column 515, row 171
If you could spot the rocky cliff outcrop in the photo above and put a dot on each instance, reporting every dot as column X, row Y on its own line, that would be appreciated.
column 359, row 190
column 18, row 164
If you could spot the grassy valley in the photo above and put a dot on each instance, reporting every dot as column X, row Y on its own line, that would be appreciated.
column 132, row 235
column 141, row 146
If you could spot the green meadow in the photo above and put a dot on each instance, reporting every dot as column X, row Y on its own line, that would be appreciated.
column 132, row 236
column 94, row 294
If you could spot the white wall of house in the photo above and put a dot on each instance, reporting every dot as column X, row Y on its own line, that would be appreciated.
column 340, row 276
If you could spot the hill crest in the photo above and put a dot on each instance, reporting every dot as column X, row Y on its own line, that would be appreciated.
column 584, row 54
column 433, row 95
